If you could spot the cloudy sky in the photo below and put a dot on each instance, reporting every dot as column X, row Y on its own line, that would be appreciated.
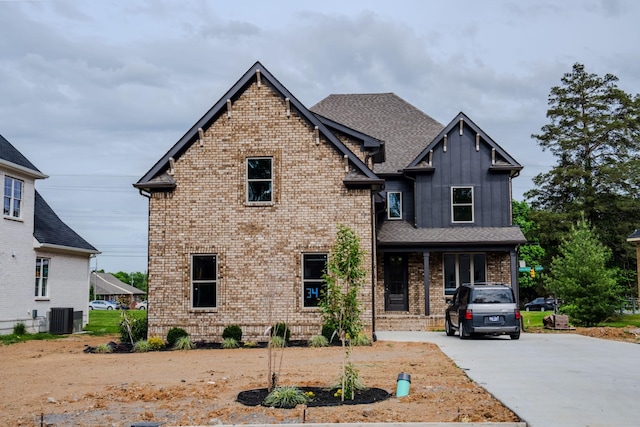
column 95, row 92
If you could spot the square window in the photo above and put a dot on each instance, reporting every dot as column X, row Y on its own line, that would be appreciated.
column 260, row 179
column 462, row 204
column 314, row 266
column 204, row 278
column 12, row 197
column 463, row 268
column 394, row 205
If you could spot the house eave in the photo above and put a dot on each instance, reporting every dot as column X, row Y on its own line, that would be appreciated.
column 66, row 249
column 23, row 170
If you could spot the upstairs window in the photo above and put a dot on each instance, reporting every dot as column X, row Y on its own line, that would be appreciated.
column 204, row 281
column 314, row 266
column 259, row 179
column 12, row 197
column 462, row 204
column 394, row 205
column 42, row 277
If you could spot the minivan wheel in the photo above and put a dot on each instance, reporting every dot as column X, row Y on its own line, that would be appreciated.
column 462, row 332
column 447, row 327
column 515, row 336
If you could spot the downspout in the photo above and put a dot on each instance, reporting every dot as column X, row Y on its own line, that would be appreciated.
column 373, row 266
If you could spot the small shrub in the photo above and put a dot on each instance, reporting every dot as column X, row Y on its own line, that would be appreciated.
column 174, row 334
column 361, row 339
column 141, row 346
column 232, row 331
column 250, row 344
column 132, row 329
column 349, row 382
column 156, row 343
column 20, row 329
column 103, row 348
column 286, row 397
column 281, row 330
column 318, row 341
column 230, row 343
column 278, row 342
column 184, row 343
column 329, row 332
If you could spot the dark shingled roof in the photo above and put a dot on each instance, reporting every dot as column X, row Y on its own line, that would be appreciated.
column 403, row 233
column 10, row 154
column 405, row 130
column 50, row 230
column 108, row 284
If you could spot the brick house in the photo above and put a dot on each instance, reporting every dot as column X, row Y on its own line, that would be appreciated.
column 37, row 247
column 244, row 209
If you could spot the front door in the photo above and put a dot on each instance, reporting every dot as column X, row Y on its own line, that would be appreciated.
column 396, row 282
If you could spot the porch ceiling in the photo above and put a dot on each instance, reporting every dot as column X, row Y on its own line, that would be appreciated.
column 401, row 233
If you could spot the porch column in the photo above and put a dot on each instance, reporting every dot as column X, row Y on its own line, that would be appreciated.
column 425, row 256
column 515, row 285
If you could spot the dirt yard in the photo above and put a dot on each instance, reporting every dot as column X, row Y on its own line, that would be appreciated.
column 56, row 382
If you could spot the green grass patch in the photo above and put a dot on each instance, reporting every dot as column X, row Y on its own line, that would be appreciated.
column 623, row 320
column 13, row 338
column 532, row 320
column 108, row 321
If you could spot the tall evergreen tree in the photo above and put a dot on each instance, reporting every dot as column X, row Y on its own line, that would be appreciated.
column 594, row 132
column 580, row 277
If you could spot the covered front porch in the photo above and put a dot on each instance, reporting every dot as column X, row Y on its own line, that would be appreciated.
column 419, row 269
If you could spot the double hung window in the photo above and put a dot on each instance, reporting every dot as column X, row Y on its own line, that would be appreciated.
column 314, row 266
column 42, row 277
column 259, row 179
column 462, row 204
column 12, row 197
column 204, row 281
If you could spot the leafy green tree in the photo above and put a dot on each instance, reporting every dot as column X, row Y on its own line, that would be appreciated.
column 339, row 304
column 594, row 133
column 531, row 253
column 580, row 277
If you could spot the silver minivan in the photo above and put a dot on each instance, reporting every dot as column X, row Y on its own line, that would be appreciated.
column 483, row 309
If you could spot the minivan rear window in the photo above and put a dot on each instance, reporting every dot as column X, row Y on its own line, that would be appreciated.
column 492, row 296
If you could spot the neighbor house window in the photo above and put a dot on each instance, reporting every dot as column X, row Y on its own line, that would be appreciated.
column 314, row 266
column 259, row 179
column 12, row 197
column 463, row 268
column 42, row 277
column 394, row 205
column 204, row 279
column 462, row 204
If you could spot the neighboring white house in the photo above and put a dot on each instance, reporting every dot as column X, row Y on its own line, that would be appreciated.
column 44, row 264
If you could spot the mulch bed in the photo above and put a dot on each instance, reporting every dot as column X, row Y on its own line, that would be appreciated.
column 322, row 396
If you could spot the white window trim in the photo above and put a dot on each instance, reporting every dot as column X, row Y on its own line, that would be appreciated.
column 12, row 199
column 472, row 204
column 271, row 180
column 457, row 268
column 302, row 256
column 40, row 295
column 192, row 282
column 399, row 193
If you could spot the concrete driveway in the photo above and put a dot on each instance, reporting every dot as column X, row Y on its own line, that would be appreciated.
column 549, row 379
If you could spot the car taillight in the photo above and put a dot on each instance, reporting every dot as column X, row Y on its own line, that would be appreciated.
column 468, row 315
column 517, row 314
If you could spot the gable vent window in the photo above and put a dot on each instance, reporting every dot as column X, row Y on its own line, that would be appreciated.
column 259, row 180
column 462, row 204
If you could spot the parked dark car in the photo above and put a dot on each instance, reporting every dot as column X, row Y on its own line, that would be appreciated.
column 541, row 304
column 483, row 309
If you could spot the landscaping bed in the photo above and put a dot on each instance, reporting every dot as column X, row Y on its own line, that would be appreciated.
column 60, row 383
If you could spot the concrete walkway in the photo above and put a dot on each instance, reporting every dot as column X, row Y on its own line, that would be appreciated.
column 549, row 379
